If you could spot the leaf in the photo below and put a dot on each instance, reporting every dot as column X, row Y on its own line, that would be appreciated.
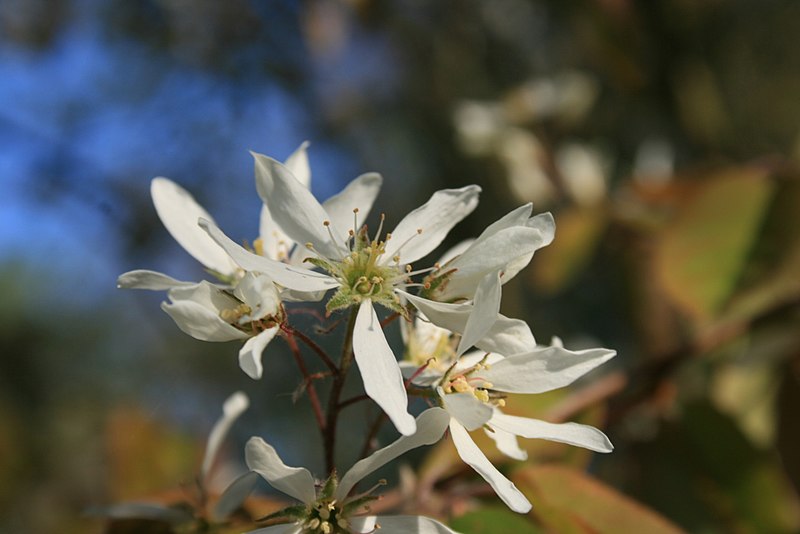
column 701, row 254
column 494, row 520
column 771, row 278
column 726, row 484
column 578, row 231
column 567, row 500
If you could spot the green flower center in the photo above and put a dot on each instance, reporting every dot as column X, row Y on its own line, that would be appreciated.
column 363, row 272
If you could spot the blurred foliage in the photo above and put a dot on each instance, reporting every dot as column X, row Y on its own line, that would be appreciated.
column 663, row 136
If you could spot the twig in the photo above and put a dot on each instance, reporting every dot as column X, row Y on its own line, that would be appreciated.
column 329, row 436
column 316, row 348
column 312, row 391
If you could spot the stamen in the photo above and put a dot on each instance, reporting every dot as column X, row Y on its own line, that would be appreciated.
column 420, row 271
column 396, row 256
column 380, row 228
column 327, row 224
column 355, row 221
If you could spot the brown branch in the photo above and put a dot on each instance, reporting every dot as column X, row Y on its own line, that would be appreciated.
column 312, row 391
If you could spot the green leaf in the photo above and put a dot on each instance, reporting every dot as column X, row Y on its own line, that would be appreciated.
column 701, row 254
column 494, row 520
column 567, row 500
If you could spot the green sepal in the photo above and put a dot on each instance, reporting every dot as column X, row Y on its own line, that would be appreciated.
column 329, row 487
column 297, row 512
column 353, row 506
column 343, row 298
column 322, row 264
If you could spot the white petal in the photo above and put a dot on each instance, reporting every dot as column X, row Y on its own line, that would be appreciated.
column 379, row 370
column 544, row 369
column 360, row 193
column 200, row 322
column 484, row 312
column 487, row 256
column 543, row 222
column 143, row 279
column 516, row 217
column 285, row 275
column 400, row 524
column 452, row 317
column 430, row 424
column 435, row 218
column 584, row 436
column 507, row 337
column 465, row 408
column 276, row 244
column 259, row 293
column 206, row 294
column 179, row 212
column 293, row 207
column 455, row 251
column 472, row 455
column 234, row 495
column 274, row 241
column 233, row 407
column 296, row 482
column 506, row 442
column 250, row 353
column 297, row 163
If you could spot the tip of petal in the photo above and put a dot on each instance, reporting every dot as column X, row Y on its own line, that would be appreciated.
column 406, row 425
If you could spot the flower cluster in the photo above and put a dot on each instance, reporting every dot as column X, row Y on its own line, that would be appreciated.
column 461, row 354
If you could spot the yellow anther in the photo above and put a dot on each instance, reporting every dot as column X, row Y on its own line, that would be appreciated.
column 500, row 403
column 326, row 527
column 408, row 266
column 388, row 236
column 258, row 246
column 324, row 513
column 482, row 395
column 313, row 524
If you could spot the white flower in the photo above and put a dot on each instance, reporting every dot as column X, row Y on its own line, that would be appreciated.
column 472, row 390
column 363, row 270
column 329, row 509
column 179, row 212
column 251, row 311
column 507, row 246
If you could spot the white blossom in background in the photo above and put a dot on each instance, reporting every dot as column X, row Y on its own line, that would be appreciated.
column 328, row 508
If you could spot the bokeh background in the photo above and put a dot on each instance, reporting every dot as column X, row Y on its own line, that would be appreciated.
column 664, row 136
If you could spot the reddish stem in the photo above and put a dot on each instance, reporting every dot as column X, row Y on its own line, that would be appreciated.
column 312, row 390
